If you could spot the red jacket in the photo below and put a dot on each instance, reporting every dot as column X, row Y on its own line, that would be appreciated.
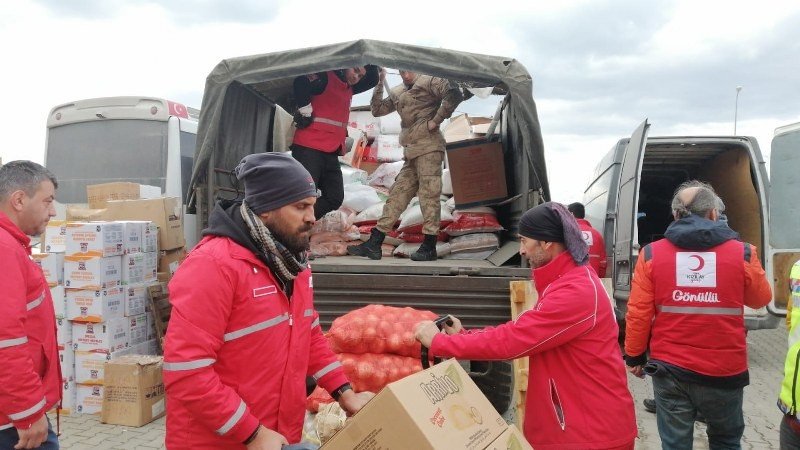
column 331, row 114
column 696, row 292
column 578, row 395
column 237, row 351
column 30, row 372
column 597, row 247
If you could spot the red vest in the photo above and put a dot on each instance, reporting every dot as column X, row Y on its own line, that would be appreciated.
column 699, row 297
column 331, row 113
column 597, row 247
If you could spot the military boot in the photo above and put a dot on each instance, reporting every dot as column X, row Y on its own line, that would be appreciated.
column 427, row 251
column 372, row 248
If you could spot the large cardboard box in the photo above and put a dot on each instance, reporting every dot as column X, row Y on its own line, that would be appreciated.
column 100, row 194
column 477, row 172
column 169, row 260
column 165, row 212
column 512, row 439
column 133, row 235
column 134, row 391
column 52, row 265
column 109, row 336
column 96, row 306
column 55, row 236
column 88, row 398
column 102, row 239
column 82, row 272
column 438, row 408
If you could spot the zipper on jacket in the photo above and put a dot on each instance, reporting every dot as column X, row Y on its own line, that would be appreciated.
column 557, row 408
column 290, row 319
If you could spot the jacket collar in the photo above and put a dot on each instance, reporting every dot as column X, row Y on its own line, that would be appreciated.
column 583, row 222
column 550, row 272
column 15, row 232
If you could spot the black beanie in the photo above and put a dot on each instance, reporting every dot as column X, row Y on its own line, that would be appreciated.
column 552, row 222
column 542, row 223
column 273, row 180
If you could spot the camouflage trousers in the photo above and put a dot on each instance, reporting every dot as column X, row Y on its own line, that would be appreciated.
column 422, row 177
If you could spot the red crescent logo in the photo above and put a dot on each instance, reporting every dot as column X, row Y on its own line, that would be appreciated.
column 700, row 263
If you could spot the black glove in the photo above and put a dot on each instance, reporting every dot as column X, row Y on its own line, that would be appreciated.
column 302, row 121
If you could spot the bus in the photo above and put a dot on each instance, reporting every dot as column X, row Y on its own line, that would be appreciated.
column 142, row 140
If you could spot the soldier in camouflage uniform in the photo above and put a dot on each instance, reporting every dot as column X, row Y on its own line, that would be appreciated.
column 423, row 102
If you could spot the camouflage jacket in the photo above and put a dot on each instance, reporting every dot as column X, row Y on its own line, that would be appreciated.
column 429, row 98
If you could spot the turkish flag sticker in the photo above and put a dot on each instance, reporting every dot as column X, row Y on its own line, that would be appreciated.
column 176, row 109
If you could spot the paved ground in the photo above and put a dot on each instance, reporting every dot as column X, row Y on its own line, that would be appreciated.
column 767, row 349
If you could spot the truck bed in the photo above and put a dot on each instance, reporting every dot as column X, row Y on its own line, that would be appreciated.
column 477, row 292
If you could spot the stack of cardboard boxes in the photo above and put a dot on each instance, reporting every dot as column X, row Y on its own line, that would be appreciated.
column 99, row 272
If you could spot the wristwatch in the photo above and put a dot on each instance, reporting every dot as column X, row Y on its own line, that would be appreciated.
column 341, row 390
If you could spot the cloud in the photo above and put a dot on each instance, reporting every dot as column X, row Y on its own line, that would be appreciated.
column 187, row 12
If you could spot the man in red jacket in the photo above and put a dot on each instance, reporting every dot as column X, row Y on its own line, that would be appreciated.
column 687, row 300
column 244, row 334
column 597, row 246
column 323, row 101
column 30, row 373
column 578, row 395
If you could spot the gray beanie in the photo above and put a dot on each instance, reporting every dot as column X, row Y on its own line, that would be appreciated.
column 273, row 180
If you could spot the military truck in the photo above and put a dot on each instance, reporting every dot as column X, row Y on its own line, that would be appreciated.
column 244, row 111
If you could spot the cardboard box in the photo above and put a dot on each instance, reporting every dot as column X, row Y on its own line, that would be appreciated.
column 135, row 299
column 464, row 127
column 133, row 235
column 82, row 272
column 88, row 398
column 52, row 265
column 55, row 236
column 89, row 366
column 512, row 439
column 96, row 306
column 63, row 331
column 169, row 260
column 477, row 172
column 100, row 194
column 152, row 334
column 150, row 238
column 138, row 268
column 165, row 212
column 134, row 391
column 138, row 333
column 438, row 408
column 109, row 336
column 67, row 397
column 82, row 213
column 59, row 297
column 66, row 355
column 102, row 239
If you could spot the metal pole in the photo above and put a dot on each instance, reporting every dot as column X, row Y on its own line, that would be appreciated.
column 736, row 109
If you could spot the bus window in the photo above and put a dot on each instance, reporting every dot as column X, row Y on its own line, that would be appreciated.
column 103, row 151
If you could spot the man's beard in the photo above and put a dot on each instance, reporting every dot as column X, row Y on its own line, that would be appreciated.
column 294, row 241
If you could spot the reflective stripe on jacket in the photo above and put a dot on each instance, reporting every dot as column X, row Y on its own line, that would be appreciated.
column 30, row 371
column 331, row 112
column 237, row 351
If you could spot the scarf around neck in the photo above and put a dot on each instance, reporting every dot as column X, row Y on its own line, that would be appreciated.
column 283, row 263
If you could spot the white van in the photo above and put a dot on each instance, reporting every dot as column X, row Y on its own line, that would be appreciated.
column 628, row 201
column 138, row 139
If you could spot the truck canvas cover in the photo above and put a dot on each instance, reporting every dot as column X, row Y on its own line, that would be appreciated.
column 239, row 115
